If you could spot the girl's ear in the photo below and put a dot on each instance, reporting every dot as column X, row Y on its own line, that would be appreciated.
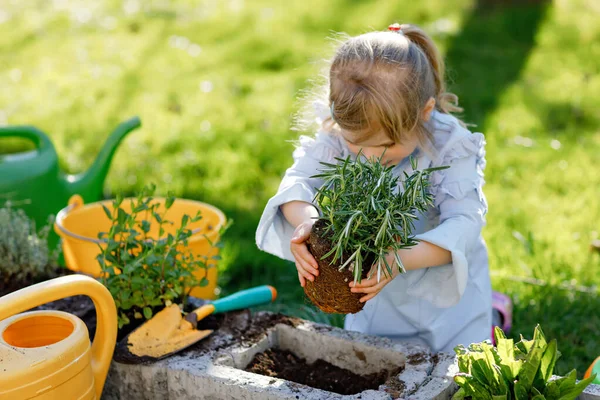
column 428, row 109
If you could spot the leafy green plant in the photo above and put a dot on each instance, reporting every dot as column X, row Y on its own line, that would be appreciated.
column 24, row 253
column 520, row 371
column 143, row 273
column 365, row 213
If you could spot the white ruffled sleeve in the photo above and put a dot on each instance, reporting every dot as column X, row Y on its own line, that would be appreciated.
column 274, row 233
column 462, row 207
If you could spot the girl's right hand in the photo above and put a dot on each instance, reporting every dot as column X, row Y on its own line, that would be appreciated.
column 305, row 263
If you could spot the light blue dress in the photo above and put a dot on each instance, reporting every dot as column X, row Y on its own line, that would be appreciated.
column 441, row 306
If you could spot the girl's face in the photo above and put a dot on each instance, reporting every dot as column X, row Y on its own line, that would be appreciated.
column 375, row 145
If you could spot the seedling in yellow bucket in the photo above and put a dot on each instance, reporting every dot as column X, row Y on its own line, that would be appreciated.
column 149, row 252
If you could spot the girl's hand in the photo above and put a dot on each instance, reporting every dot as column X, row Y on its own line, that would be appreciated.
column 371, row 286
column 305, row 263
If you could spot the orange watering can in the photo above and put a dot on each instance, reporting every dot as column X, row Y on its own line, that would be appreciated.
column 47, row 354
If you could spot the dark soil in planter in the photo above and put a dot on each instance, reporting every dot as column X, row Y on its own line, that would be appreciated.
column 320, row 374
column 241, row 327
column 330, row 291
column 9, row 285
column 257, row 326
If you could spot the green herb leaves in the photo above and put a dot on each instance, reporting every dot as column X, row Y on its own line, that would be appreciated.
column 144, row 273
column 369, row 211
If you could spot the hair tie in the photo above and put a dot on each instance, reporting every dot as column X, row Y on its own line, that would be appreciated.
column 396, row 28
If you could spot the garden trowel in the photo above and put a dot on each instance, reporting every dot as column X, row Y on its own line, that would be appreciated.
column 168, row 332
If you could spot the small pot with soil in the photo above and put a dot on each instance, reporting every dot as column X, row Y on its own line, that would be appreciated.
column 366, row 213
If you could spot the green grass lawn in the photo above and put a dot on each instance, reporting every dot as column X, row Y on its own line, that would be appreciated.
column 214, row 83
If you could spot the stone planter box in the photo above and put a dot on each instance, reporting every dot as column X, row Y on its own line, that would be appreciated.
column 214, row 368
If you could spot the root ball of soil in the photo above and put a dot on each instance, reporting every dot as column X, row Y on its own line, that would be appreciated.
column 330, row 291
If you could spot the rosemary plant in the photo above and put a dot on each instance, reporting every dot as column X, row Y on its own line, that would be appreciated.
column 367, row 215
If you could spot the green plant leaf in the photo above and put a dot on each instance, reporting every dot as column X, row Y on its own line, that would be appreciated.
column 547, row 362
column 538, row 337
column 156, row 302
column 567, row 382
column 203, row 282
column 481, row 370
column 525, row 345
column 169, row 201
column 521, row 393
column 138, row 280
column 184, row 220
column 552, row 392
column 472, row 387
column 123, row 320
column 508, row 364
column 463, row 359
column 575, row 390
column 147, row 312
column 530, row 367
column 148, row 293
column 460, row 394
column 492, row 371
column 126, row 304
column 498, row 334
column 140, row 207
column 145, row 225
column 121, row 216
column 536, row 392
column 107, row 212
column 137, row 298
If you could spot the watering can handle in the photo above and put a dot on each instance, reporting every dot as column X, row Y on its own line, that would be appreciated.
column 27, row 132
column 67, row 286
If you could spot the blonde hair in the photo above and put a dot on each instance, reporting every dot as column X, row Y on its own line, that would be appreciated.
column 383, row 80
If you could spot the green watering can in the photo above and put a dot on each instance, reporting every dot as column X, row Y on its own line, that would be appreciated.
column 33, row 181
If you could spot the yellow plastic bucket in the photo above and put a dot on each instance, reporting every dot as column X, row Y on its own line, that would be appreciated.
column 79, row 226
column 46, row 355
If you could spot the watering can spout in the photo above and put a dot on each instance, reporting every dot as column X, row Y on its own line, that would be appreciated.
column 89, row 184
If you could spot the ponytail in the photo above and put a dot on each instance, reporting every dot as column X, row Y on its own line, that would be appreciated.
column 445, row 102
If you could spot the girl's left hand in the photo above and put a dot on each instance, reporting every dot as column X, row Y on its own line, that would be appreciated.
column 371, row 286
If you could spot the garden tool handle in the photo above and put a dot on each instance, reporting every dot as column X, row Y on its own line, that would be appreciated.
column 238, row 301
column 67, row 286
column 245, row 299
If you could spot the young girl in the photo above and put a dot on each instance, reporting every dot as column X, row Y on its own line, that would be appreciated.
column 386, row 93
